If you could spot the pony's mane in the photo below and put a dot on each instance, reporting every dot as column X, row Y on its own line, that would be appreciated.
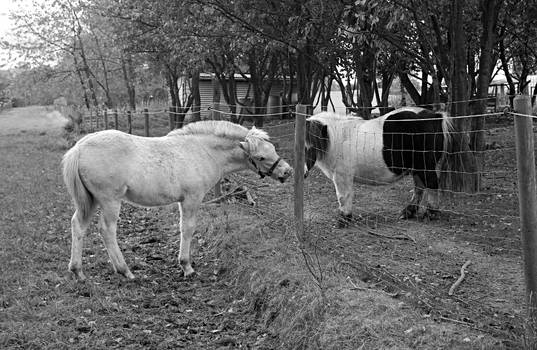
column 220, row 128
column 224, row 129
column 327, row 117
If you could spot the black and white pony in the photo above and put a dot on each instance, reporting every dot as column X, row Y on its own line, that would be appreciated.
column 408, row 140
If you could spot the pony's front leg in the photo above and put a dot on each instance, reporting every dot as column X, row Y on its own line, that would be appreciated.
column 412, row 208
column 429, row 208
column 345, row 195
column 187, row 226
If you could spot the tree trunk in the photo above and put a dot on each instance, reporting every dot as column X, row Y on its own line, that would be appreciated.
column 506, row 70
column 196, row 98
column 127, row 69
column 85, row 66
column 459, row 169
column 387, row 80
column 105, row 85
column 489, row 18
column 81, row 79
column 406, row 83
column 86, row 70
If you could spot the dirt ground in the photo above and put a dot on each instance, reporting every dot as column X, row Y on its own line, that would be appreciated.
column 380, row 284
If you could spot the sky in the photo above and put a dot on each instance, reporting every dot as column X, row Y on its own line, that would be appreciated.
column 6, row 6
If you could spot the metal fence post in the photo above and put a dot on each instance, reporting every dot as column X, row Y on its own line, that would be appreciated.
column 527, row 199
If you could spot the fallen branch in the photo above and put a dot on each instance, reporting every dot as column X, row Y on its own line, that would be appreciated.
column 355, row 287
column 235, row 192
column 402, row 237
column 460, row 279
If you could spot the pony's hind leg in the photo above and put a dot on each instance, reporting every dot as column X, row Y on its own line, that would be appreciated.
column 108, row 223
column 79, row 226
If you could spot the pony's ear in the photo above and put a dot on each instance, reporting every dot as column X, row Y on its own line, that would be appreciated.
column 245, row 146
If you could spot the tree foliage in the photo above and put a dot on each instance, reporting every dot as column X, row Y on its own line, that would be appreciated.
column 117, row 52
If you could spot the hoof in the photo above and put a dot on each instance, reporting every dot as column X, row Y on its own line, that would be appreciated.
column 128, row 275
column 124, row 271
column 77, row 273
column 409, row 212
column 187, row 267
column 189, row 272
column 429, row 215
column 344, row 220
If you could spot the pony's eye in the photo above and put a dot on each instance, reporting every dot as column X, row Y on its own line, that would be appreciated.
column 261, row 159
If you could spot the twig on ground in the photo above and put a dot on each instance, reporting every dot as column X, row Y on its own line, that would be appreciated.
column 355, row 287
column 460, row 279
column 457, row 321
column 236, row 191
column 250, row 198
column 402, row 236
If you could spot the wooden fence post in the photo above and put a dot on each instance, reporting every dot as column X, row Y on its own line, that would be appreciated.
column 527, row 199
column 92, row 128
column 116, row 122
column 300, row 141
column 105, row 119
column 171, row 114
column 97, row 124
column 129, row 122
column 146, row 122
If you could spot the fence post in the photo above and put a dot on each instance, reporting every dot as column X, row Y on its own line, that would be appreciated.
column 97, row 124
column 129, row 122
column 300, row 141
column 105, row 119
column 146, row 122
column 172, row 118
column 527, row 199
column 116, row 122
column 92, row 128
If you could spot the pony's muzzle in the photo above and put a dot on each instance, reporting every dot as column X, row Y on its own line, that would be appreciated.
column 286, row 173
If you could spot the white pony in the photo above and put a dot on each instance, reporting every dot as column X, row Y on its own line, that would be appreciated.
column 108, row 167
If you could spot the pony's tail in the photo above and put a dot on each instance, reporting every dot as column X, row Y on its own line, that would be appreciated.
column 447, row 130
column 458, row 165
column 82, row 198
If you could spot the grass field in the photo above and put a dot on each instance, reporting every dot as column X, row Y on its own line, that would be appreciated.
column 253, row 289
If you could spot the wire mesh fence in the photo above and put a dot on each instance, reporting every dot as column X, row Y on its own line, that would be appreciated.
column 411, row 259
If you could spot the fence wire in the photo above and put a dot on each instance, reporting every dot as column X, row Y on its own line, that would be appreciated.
column 379, row 248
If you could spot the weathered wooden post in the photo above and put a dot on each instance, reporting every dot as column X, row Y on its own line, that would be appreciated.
column 116, row 122
column 527, row 199
column 300, row 142
column 129, row 122
column 97, row 124
column 146, row 122
column 92, row 127
column 105, row 114
column 171, row 114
